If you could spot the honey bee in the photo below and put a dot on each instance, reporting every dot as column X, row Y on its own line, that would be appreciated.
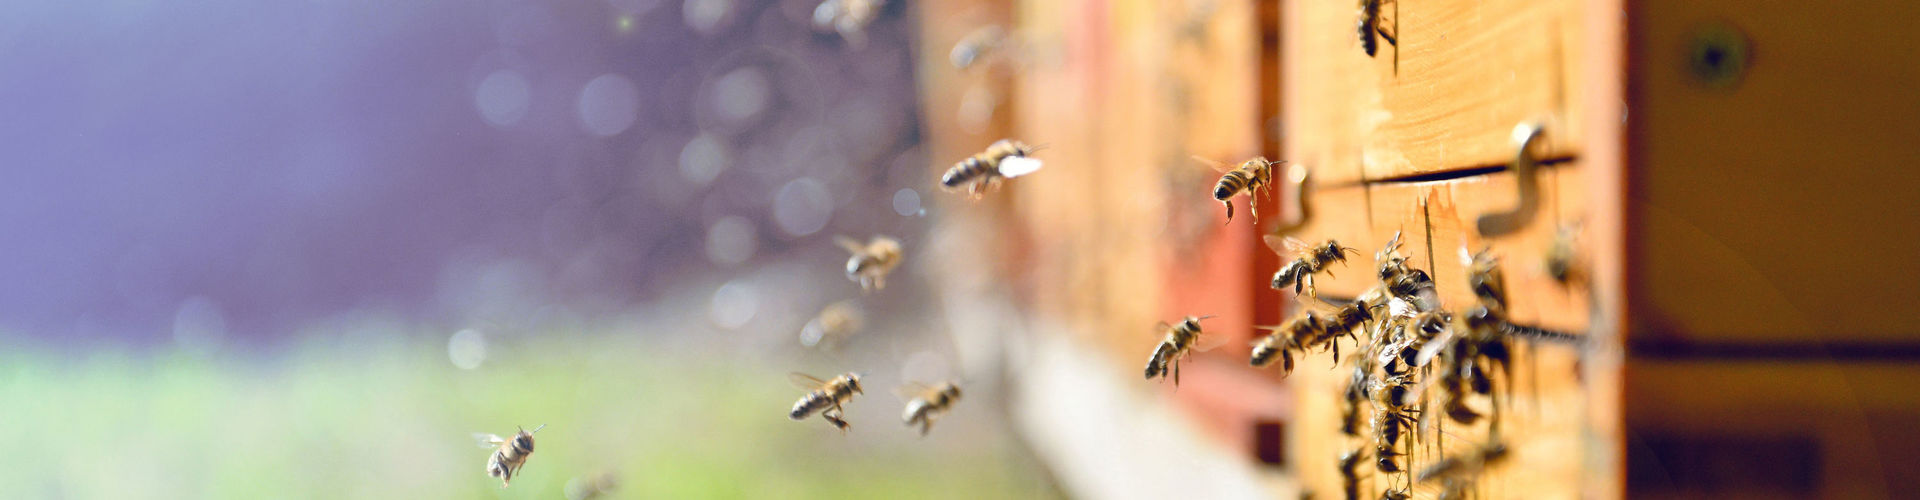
column 1370, row 23
column 825, row 396
column 1350, row 472
column 1484, row 277
column 1347, row 320
column 926, row 404
column 1464, row 464
column 1248, row 178
column 977, row 45
column 1181, row 341
column 1405, row 282
column 1282, row 340
column 591, row 486
column 509, row 455
column 849, row 17
column 1559, row 261
column 1004, row 159
column 871, row 261
column 836, row 322
column 1308, row 260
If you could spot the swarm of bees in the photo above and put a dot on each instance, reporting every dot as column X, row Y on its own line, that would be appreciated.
column 1004, row 159
column 509, row 454
column 1408, row 344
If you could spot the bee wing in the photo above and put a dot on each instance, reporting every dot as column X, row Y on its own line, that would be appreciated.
column 1276, row 243
column 1215, row 164
column 805, row 381
column 850, row 244
column 1433, row 348
column 1015, row 166
column 1392, row 244
column 910, row 390
column 487, row 440
column 1208, row 341
column 1295, row 246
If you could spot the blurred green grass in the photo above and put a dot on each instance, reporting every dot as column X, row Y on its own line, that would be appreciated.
column 368, row 417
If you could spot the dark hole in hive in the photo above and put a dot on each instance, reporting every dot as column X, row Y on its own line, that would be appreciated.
column 1270, row 442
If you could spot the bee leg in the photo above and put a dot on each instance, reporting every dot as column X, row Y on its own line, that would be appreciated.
column 1229, row 204
column 1176, row 374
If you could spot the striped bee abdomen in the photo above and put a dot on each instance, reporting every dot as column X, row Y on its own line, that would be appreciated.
column 807, row 405
column 968, row 170
column 1231, row 184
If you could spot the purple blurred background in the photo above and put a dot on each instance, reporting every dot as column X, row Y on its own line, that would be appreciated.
column 252, row 168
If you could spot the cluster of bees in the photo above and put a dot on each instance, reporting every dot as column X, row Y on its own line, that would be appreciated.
column 1414, row 355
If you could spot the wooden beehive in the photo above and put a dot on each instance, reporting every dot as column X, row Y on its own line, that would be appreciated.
column 1721, row 250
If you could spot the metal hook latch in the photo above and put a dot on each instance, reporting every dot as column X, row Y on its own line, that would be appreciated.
column 1526, row 136
column 1297, row 176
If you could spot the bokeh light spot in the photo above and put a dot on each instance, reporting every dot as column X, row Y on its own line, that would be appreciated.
column 703, row 158
column 502, row 97
column 802, row 207
column 741, row 94
column 609, row 104
column 906, row 202
column 734, row 304
column 467, row 349
column 730, row 240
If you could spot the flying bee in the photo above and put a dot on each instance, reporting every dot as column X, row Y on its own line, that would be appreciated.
column 926, row 404
column 1282, row 340
column 509, row 455
column 825, row 396
column 1347, row 319
column 1559, row 261
column 1370, row 23
column 1484, row 277
column 976, row 46
column 836, row 322
column 849, row 17
column 1308, row 260
column 1464, row 464
column 871, row 261
column 1248, row 178
column 1004, row 159
column 1181, row 341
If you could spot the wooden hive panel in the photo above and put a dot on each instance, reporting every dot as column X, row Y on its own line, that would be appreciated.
column 1443, row 213
column 1468, row 71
